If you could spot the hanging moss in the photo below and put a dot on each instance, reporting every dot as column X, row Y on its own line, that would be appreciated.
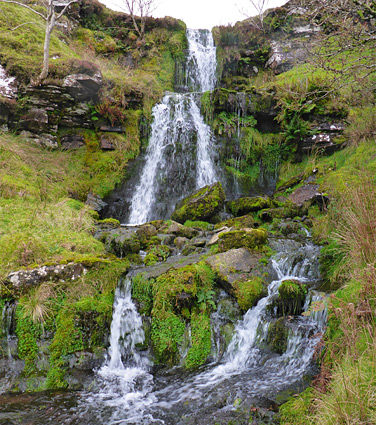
column 201, row 340
column 277, row 336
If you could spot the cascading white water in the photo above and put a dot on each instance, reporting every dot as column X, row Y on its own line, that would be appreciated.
column 201, row 62
column 124, row 379
column 128, row 395
column 180, row 154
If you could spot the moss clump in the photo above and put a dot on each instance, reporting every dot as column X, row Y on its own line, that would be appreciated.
column 277, row 336
column 203, row 225
column 249, row 293
column 202, row 205
column 248, row 238
column 246, row 221
column 290, row 300
column 109, row 223
column 244, row 206
column 28, row 333
column 201, row 340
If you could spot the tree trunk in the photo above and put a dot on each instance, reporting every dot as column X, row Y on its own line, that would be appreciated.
column 50, row 24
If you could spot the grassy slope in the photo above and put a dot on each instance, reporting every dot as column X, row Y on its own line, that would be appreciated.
column 39, row 221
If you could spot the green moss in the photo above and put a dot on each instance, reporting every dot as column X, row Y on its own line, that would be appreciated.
column 244, row 206
column 249, row 293
column 203, row 225
column 28, row 334
column 297, row 410
column 109, row 222
column 142, row 291
column 166, row 335
column 246, row 221
column 291, row 297
column 201, row 340
column 253, row 239
column 157, row 254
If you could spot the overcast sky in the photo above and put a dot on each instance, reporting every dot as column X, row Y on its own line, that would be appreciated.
column 202, row 13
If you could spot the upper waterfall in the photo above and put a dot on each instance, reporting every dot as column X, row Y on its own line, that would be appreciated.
column 201, row 62
column 180, row 157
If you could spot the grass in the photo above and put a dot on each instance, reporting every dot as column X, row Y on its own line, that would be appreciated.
column 40, row 222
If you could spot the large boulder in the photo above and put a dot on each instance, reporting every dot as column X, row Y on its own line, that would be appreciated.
column 202, row 205
column 242, row 238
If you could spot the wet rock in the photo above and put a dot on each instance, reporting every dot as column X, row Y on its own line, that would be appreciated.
column 243, row 206
column 247, row 238
column 106, row 144
column 278, row 335
column 36, row 120
column 43, row 140
column 180, row 242
column 202, row 205
column 234, row 265
column 121, row 241
column 214, row 239
column 145, row 233
column 179, row 230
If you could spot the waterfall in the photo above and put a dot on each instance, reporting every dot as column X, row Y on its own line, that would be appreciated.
column 124, row 380
column 180, row 155
column 129, row 394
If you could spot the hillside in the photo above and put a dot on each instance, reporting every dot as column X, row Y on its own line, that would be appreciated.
column 294, row 118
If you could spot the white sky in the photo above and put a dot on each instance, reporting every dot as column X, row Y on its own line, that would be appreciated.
column 202, row 13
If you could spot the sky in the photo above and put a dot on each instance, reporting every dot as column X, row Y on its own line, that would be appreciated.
column 202, row 13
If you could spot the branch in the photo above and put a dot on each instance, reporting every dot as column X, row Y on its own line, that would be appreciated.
column 27, row 7
column 21, row 25
column 65, row 8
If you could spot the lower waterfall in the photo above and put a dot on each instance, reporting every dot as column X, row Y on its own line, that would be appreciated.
column 128, row 393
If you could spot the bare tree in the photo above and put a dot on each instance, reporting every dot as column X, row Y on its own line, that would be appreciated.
column 141, row 9
column 260, row 7
column 51, row 16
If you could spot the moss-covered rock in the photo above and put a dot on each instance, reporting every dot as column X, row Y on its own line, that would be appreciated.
column 243, row 206
column 245, row 221
column 122, row 242
column 145, row 233
column 202, row 205
column 248, row 293
column 290, row 299
column 245, row 238
column 277, row 336
column 288, row 210
column 179, row 230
